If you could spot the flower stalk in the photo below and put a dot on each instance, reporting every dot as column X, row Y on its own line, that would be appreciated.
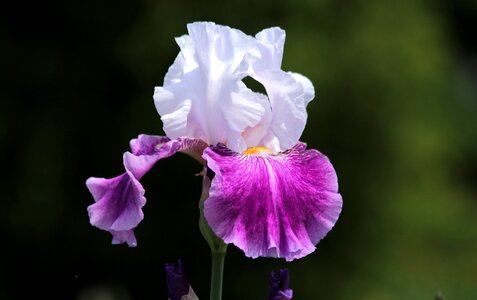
column 216, row 279
column 217, row 247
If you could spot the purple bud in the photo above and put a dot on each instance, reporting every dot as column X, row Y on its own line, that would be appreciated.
column 280, row 285
column 177, row 284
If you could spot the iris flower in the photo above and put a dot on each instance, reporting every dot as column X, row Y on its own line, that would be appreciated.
column 269, row 195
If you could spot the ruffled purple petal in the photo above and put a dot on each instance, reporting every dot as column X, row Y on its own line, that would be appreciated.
column 125, row 236
column 118, row 206
column 178, row 287
column 147, row 144
column 279, row 287
column 146, row 153
column 273, row 206
column 119, row 200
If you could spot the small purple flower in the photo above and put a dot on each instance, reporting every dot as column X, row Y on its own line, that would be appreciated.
column 178, row 287
column 270, row 196
column 279, row 286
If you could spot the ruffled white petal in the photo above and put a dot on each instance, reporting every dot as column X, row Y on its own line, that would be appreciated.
column 271, row 42
column 308, row 89
column 252, row 112
column 289, row 115
column 203, row 95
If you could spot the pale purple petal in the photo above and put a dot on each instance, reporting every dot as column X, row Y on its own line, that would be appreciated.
column 279, row 287
column 119, row 200
column 275, row 206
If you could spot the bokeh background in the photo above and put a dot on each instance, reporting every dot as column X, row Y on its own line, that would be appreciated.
column 395, row 111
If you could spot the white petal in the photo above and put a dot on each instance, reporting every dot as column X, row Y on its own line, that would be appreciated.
column 176, row 121
column 309, row 90
column 173, row 111
column 289, row 93
column 245, row 110
column 203, row 96
column 287, row 98
column 187, row 51
column 218, row 48
column 271, row 42
column 184, row 62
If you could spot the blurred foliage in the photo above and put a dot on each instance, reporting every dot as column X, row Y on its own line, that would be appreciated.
column 395, row 111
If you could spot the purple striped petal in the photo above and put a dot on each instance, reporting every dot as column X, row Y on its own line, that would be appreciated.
column 119, row 200
column 279, row 287
column 117, row 207
column 272, row 205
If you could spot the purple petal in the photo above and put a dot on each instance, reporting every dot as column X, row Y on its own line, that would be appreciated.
column 119, row 200
column 148, row 154
column 125, row 236
column 177, row 284
column 147, row 144
column 280, row 285
column 118, row 206
column 274, row 206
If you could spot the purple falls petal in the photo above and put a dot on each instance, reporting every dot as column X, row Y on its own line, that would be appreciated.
column 178, row 287
column 119, row 200
column 118, row 206
column 279, row 286
column 146, row 152
column 125, row 236
column 274, row 206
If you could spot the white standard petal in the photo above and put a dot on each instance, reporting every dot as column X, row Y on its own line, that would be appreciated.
column 271, row 43
column 246, row 110
column 202, row 95
column 288, row 92
column 184, row 62
column 288, row 101
column 308, row 89
column 173, row 113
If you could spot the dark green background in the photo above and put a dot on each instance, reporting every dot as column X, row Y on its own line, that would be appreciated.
column 395, row 111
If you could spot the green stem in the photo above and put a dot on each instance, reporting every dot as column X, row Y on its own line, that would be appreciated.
column 218, row 259
column 217, row 246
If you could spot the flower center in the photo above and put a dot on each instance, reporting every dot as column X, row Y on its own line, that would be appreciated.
column 262, row 151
